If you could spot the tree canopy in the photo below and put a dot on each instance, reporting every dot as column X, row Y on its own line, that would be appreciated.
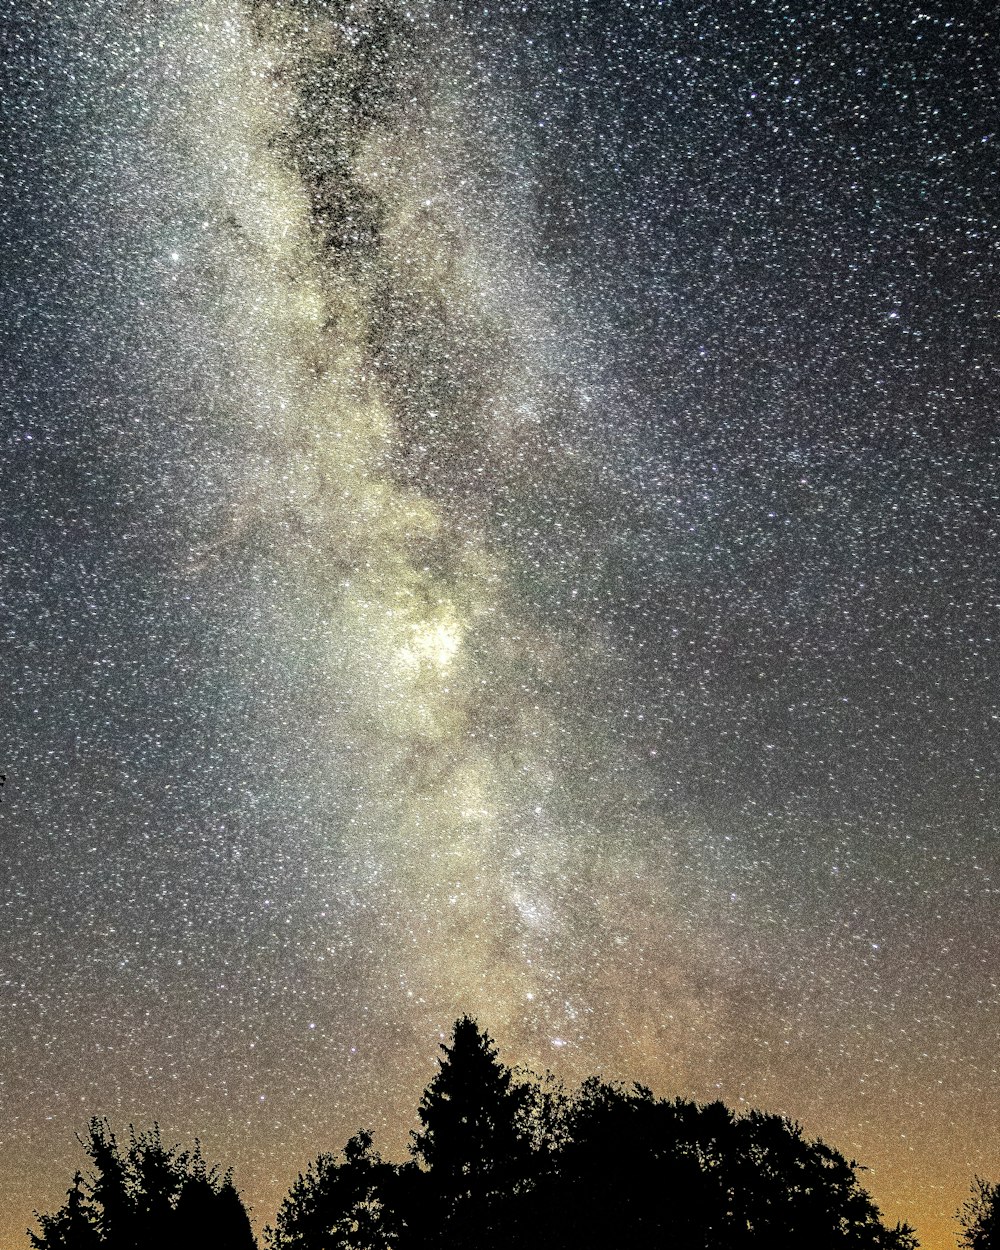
column 980, row 1217
column 500, row 1161
column 146, row 1195
column 504, row 1159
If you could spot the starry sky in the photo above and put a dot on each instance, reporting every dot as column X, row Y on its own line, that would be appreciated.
column 499, row 513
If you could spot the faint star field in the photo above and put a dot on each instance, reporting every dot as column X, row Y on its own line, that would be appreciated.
column 499, row 514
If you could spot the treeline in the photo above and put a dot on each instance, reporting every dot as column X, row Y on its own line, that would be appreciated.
column 501, row 1161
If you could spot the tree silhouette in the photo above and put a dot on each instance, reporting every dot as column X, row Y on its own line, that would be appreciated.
column 980, row 1217
column 474, row 1146
column 635, row 1169
column 472, row 1139
column 630, row 1169
column 73, row 1227
column 147, row 1196
column 209, row 1213
column 501, row 1163
column 353, row 1204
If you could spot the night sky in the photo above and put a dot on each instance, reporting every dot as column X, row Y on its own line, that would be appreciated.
column 499, row 513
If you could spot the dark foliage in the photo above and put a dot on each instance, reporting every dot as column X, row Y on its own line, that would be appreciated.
column 501, row 1162
column 354, row 1202
column 470, row 1115
column 146, row 1196
column 980, row 1217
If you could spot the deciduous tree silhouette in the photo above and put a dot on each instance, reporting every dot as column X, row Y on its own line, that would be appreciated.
column 73, row 1227
column 356, row 1203
column 980, row 1217
column 147, row 1196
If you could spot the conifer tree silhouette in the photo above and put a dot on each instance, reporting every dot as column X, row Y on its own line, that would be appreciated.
column 471, row 1138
